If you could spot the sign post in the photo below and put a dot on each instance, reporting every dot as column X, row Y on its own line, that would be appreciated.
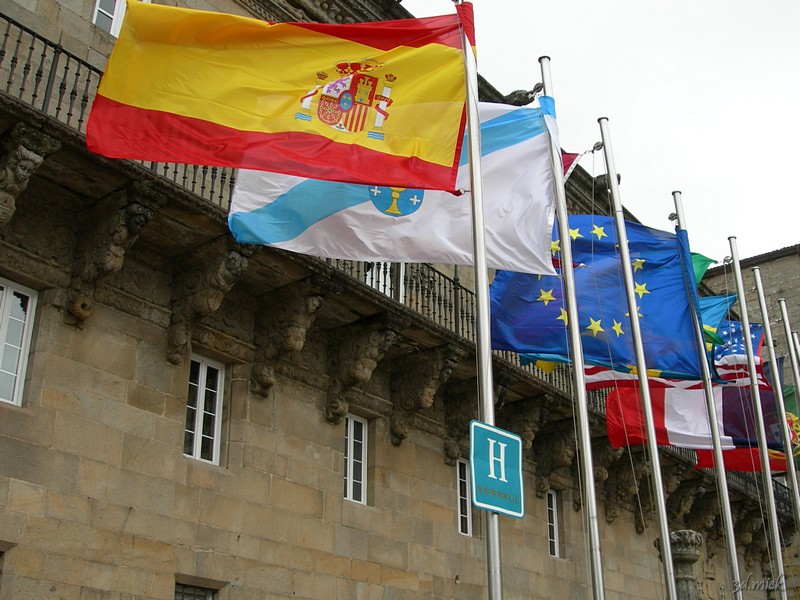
column 496, row 465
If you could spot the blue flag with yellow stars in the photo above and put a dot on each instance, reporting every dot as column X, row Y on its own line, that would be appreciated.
column 529, row 312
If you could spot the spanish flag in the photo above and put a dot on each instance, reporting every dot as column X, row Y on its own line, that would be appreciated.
column 381, row 102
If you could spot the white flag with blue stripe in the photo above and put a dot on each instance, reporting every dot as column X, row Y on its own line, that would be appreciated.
column 379, row 223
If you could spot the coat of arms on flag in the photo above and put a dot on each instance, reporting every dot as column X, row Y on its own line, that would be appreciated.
column 353, row 102
column 395, row 201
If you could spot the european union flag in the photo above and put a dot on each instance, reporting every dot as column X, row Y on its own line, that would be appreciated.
column 529, row 313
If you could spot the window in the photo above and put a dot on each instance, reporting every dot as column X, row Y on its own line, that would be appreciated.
column 553, row 536
column 17, row 305
column 464, row 497
column 108, row 15
column 184, row 591
column 355, row 459
column 201, row 438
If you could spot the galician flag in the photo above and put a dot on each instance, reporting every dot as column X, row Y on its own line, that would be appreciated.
column 378, row 222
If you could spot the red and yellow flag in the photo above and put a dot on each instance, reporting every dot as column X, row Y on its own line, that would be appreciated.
column 364, row 103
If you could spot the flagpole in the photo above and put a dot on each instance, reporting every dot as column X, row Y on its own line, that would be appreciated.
column 759, row 414
column 793, row 360
column 578, row 366
column 776, row 378
column 483, row 344
column 722, row 476
column 641, row 366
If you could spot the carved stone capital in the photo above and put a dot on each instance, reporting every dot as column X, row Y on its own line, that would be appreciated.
column 460, row 407
column 199, row 292
column 685, row 547
column 113, row 226
column 282, row 324
column 22, row 151
column 415, row 382
column 360, row 349
column 603, row 455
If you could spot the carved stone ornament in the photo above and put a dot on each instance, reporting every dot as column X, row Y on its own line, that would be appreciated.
column 113, row 226
column 680, row 502
column 198, row 293
column 624, row 478
column 353, row 361
column 460, row 408
column 603, row 455
column 415, row 382
column 282, row 325
column 671, row 476
column 685, row 547
column 552, row 451
column 22, row 151
column 524, row 417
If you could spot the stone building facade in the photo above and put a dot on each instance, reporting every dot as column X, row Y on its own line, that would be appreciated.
column 187, row 417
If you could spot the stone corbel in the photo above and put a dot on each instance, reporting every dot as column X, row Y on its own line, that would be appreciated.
column 22, row 151
column 703, row 517
column 353, row 361
column 113, row 226
column 680, row 502
column 552, row 451
column 460, row 408
column 525, row 418
column 624, row 478
column 198, row 293
column 671, row 476
column 282, row 325
column 603, row 455
column 415, row 382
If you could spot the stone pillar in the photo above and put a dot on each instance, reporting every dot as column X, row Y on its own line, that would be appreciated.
column 685, row 545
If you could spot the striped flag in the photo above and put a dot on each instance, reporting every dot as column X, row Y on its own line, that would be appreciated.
column 334, row 102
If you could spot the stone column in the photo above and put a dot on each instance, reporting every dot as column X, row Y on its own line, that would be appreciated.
column 685, row 545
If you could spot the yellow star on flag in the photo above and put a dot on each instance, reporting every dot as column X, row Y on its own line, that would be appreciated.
column 599, row 232
column 563, row 316
column 617, row 327
column 575, row 233
column 555, row 246
column 594, row 327
column 546, row 296
column 638, row 264
column 641, row 289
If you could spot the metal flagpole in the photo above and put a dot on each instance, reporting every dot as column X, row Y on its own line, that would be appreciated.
column 641, row 366
column 578, row 367
column 483, row 342
column 793, row 360
column 776, row 377
column 759, row 414
column 721, row 474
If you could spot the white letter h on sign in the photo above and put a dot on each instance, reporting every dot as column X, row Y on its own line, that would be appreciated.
column 501, row 459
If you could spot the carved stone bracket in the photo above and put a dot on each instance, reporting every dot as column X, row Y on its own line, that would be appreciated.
column 624, row 478
column 198, row 293
column 680, row 502
column 525, row 418
column 359, row 351
column 22, row 151
column 460, row 407
column 552, row 451
column 114, row 225
column 671, row 476
column 685, row 547
column 603, row 455
column 282, row 324
column 415, row 382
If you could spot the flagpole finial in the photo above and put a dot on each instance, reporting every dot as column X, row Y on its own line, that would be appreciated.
column 597, row 147
column 673, row 216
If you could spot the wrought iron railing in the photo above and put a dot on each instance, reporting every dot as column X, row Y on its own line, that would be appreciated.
column 44, row 76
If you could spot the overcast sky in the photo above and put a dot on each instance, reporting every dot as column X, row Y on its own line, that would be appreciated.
column 701, row 96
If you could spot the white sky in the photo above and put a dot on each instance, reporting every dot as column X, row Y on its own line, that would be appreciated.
column 701, row 96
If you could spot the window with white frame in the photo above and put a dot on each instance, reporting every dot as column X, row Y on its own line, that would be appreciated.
column 553, row 514
column 203, row 430
column 355, row 459
column 108, row 15
column 184, row 591
column 17, row 307
column 464, row 497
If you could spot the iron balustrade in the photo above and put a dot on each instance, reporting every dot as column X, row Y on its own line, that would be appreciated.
column 45, row 77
